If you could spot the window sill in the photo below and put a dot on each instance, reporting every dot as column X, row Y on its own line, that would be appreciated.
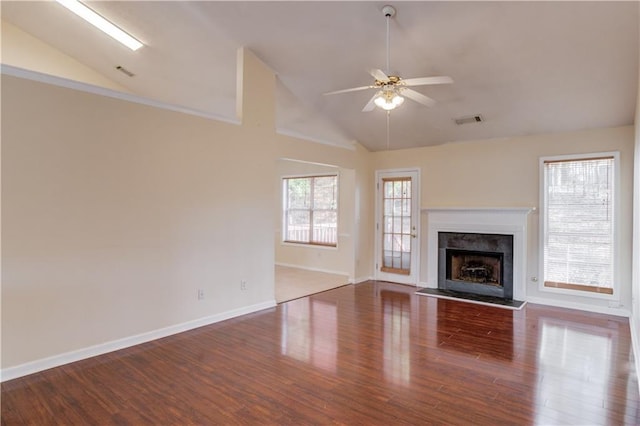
column 308, row 246
column 580, row 293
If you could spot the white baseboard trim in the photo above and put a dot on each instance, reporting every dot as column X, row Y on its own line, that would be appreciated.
column 114, row 345
column 580, row 306
column 359, row 280
column 635, row 344
column 309, row 268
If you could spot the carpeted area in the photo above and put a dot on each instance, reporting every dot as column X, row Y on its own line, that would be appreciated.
column 293, row 283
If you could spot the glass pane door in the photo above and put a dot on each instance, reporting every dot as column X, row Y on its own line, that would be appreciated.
column 397, row 229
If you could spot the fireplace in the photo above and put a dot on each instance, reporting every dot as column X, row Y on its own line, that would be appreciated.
column 476, row 263
column 503, row 221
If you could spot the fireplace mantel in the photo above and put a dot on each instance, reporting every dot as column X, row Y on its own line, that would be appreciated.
column 502, row 210
column 488, row 220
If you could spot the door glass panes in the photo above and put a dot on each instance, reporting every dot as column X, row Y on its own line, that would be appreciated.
column 396, row 225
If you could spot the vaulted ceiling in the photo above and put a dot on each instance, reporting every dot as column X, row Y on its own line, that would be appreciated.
column 526, row 67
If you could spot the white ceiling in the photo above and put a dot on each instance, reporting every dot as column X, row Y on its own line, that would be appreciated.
column 526, row 67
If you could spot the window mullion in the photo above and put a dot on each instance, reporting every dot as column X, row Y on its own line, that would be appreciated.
column 311, row 209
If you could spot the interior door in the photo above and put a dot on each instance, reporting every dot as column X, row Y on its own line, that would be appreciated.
column 397, row 226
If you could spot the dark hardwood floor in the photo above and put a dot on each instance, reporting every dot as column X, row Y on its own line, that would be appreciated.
column 372, row 353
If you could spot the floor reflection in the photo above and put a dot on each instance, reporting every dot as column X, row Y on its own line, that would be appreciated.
column 309, row 330
column 396, row 309
column 539, row 365
column 493, row 337
column 575, row 368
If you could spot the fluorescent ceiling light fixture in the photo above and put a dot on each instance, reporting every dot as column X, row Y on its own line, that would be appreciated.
column 99, row 22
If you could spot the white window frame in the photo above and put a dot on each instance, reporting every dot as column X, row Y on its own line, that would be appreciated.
column 616, row 225
column 283, row 216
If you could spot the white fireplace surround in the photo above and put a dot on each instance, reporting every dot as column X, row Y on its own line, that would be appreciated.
column 506, row 221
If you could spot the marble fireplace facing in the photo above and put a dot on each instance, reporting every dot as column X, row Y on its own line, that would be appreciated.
column 478, row 250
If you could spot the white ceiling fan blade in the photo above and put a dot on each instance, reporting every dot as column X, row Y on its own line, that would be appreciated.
column 421, row 81
column 418, row 97
column 371, row 104
column 379, row 75
column 353, row 89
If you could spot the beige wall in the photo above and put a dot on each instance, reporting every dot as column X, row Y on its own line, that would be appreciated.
column 504, row 173
column 115, row 214
column 22, row 50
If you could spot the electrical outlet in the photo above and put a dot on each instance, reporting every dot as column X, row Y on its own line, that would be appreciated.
column 200, row 294
column 243, row 285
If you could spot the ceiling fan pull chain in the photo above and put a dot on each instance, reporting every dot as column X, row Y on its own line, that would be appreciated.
column 388, row 116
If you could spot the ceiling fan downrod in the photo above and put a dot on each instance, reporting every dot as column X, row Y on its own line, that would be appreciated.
column 389, row 12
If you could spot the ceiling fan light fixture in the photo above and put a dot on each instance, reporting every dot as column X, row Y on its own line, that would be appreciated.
column 388, row 100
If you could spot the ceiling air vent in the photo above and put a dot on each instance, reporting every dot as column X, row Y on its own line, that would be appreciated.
column 469, row 119
column 124, row 71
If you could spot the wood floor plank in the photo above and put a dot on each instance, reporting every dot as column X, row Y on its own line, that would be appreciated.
column 372, row 353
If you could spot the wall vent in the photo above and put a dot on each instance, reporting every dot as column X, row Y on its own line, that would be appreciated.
column 469, row 119
column 125, row 71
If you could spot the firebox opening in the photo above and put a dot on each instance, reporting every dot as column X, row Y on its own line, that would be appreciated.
column 475, row 267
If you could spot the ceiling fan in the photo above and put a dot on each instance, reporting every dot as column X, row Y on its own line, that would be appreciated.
column 391, row 89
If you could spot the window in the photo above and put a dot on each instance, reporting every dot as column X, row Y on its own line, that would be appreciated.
column 578, row 227
column 310, row 210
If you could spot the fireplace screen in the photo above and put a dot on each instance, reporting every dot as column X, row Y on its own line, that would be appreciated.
column 475, row 267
